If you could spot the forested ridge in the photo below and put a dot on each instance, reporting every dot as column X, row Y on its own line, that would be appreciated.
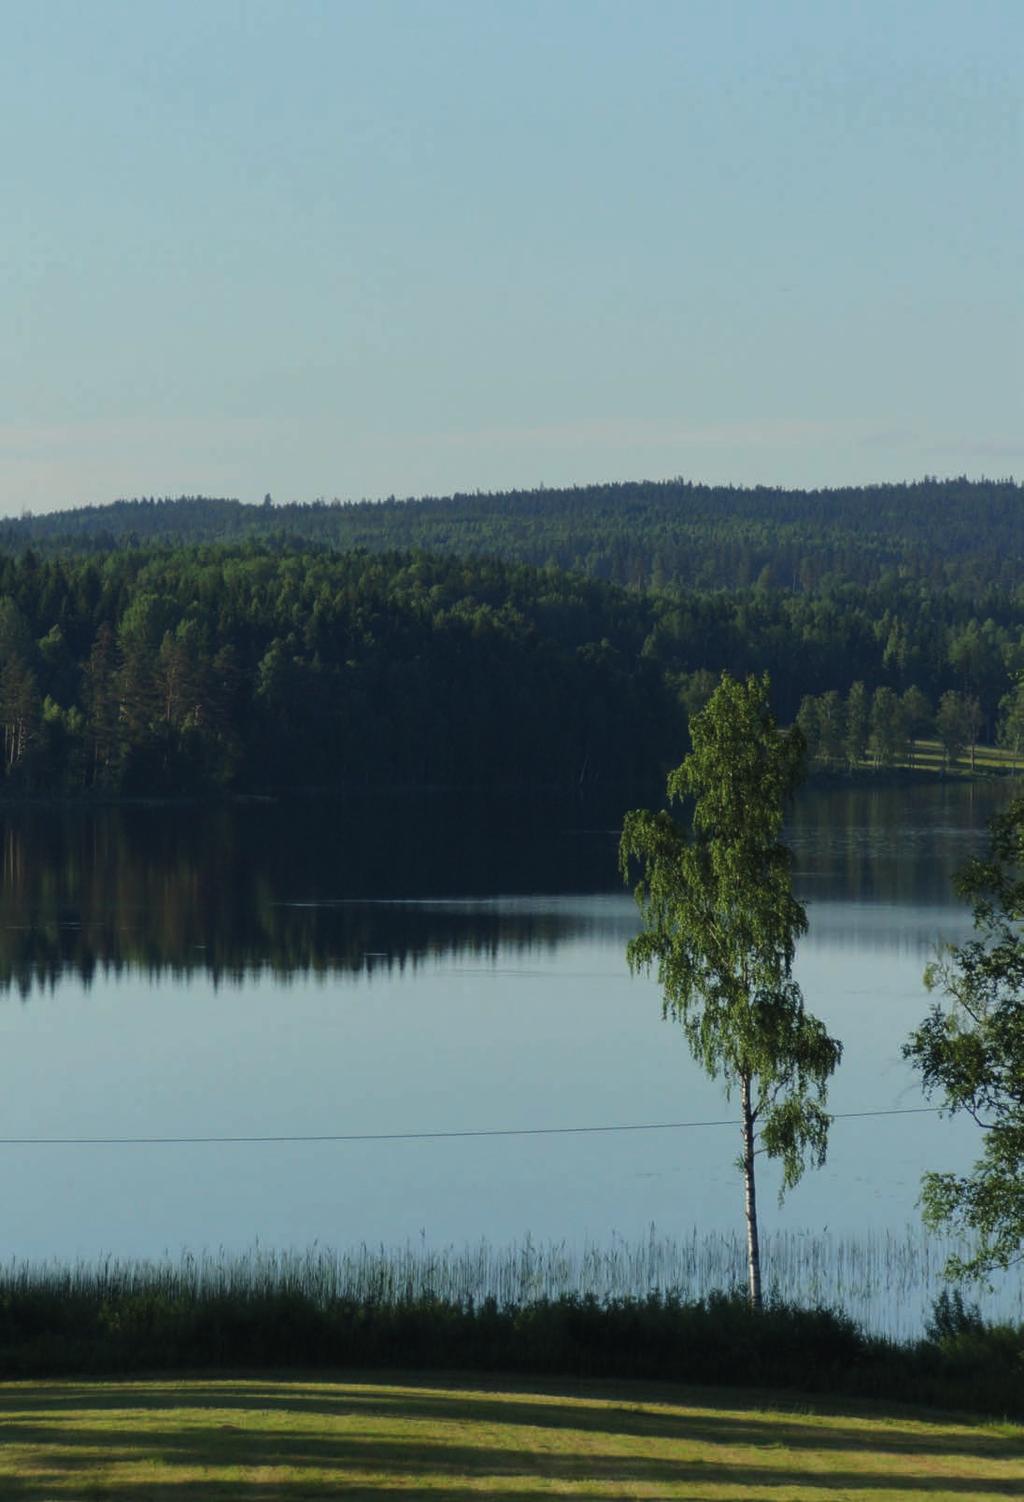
column 643, row 534
column 260, row 665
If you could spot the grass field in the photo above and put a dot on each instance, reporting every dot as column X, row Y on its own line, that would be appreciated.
column 282, row 1441
column 928, row 757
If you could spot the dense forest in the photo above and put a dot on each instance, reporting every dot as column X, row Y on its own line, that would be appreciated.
column 155, row 669
column 641, row 535
column 161, row 671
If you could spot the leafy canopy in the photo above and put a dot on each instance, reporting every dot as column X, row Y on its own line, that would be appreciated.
column 720, row 921
column 970, row 1051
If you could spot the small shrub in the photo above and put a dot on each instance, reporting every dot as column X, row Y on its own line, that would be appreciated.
column 951, row 1317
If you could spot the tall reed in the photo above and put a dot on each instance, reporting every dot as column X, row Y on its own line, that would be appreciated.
column 885, row 1281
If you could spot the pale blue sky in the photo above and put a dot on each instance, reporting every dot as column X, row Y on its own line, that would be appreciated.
column 348, row 249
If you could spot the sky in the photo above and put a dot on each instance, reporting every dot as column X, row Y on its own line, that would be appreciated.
column 328, row 248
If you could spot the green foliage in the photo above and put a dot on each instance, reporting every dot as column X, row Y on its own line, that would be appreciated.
column 970, row 1052
column 1011, row 718
column 888, row 732
column 267, row 663
column 917, row 716
column 856, row 724
column 171, row 672
column 665, row 536
column 951, row 1317
column 954, row 719
column 125, row 1320
column 720, row 921
column 720, row 924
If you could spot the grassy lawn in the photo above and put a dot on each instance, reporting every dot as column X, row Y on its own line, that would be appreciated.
column 928, row 757
column 287, row 1440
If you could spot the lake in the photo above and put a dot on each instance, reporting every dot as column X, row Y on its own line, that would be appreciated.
column 402, row 968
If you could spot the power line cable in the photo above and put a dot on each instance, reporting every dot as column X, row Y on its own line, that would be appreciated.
column 438, row 1136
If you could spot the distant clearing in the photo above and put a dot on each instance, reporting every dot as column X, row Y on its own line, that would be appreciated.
column 281, row 1441
column 929, row 757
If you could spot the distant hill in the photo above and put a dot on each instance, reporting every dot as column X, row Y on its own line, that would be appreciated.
column 639, row 534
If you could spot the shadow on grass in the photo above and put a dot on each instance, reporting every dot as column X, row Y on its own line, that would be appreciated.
column 356, row 1458
column 590, row 1408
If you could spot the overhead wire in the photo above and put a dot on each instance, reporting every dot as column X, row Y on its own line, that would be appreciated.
column 422, row 1136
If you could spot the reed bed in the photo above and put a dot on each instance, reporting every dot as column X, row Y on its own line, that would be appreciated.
column 885, row 1281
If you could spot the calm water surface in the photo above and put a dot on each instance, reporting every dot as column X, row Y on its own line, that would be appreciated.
column 419, row 966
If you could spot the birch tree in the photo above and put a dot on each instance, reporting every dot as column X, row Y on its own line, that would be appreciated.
column 719, row 926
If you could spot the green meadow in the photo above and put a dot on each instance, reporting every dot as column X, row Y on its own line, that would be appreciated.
column 280, row 1441
column 928, row 756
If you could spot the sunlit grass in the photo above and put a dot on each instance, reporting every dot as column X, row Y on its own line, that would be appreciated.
column 928, row 756
column 291, row 1440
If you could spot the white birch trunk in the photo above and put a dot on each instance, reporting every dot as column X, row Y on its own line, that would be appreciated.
column 750, row 1200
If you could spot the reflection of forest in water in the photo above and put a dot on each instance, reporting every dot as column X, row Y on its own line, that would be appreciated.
column 898, row 845
column 295, row 888
column 342, row 886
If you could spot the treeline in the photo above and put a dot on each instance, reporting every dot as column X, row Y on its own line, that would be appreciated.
column 157, row 670
column 884, row 728
column 657, row 535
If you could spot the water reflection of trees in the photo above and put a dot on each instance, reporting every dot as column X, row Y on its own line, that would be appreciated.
column 348, row 886
column 302, row 890
column 899, row 845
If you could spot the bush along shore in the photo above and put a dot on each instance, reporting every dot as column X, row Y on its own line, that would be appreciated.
column 260, row 1313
